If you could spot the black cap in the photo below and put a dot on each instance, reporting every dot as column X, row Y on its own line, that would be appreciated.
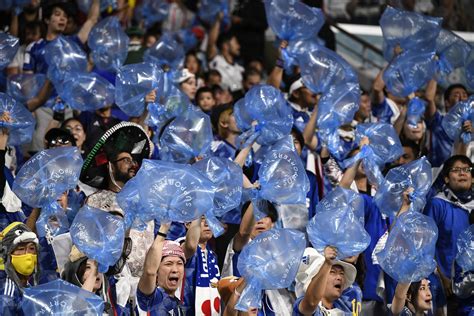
column 59, row 135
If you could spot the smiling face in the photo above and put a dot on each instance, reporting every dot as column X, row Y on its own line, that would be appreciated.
column 170, row 274
column 335, row 283
column 414, row 134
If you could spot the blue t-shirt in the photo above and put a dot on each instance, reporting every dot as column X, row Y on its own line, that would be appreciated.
column 441, row 145
column 340, row 303
column 451, row 221
column 383, row 112
column 159, row 303
column 353, row 296
column 10, row 296
column 312, row 197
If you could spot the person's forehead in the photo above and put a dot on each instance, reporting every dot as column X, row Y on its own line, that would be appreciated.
column 337, row 268
column 123, row 155
column 458, row 90
column 25, row 244
column 73, row 123
column 172, row 259
column 460, row 163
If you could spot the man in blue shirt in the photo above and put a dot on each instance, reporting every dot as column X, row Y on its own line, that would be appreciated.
column 450, row 210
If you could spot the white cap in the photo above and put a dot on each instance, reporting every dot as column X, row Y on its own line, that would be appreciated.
column 185, row 75
column 295, row 86
column 310, row 265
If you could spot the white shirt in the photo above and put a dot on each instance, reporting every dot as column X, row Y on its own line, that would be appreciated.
column 231, row 73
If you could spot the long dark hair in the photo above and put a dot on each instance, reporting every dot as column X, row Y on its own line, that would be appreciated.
column 413, row 294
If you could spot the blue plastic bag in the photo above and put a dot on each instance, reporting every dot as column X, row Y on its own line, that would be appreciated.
column 52, row 221
column 25, row 86
column 153, row 11
column 452, row 52
column 465, row 249
column 47, row 175
column 227, row 178
column 109, row 44
column 18, row 120
column 417, row 175
column 469, row 69
column 64, row 57
column 296, row 49
column 340, row 198
column 408, row 255
column 87, row 92
column 133, row 83
column 165, row 52
column 291, row 20
column 264, row 115
column 324, row 68
column 187, row 137
column 130, row 202
column 59, row 297
column 209, row 9
column 187, row 38
column 339, row 225
column 172, row 192
column 410, row 30
column 268, row 262
column 415, row 111
column 8, row 47
column 384, row 147
column 99, row 235
column 409, row 72
column 457, row 115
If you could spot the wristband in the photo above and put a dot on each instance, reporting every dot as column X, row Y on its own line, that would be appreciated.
column 162, row 234
column 279, row 63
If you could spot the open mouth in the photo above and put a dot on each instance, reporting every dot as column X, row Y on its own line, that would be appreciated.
column 173, row 280
column 338, row 286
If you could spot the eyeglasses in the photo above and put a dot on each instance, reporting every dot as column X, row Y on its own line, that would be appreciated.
column 60, row 141
column 127, row 160
column 458, row 170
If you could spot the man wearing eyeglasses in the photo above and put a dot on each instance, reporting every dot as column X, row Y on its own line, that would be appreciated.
column 450, row 209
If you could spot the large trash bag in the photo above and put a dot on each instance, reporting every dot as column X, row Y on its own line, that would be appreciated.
column 296, row 49
column 186, row 137
column 408, row 255
column 87, row 92
column 452, row 52
column 65, row 56
column 209, row 9
column 264, row 115
column 340, row 198
column 339, row 225
column 323, row 68
column 59, row 297
column 84, row 5
column 269, row 262
column 465, row 249
column 129, row 201
column 99, row 235
column 17, row 119
column 109, row 44
column 47, row 175
column 291, row 20
column 133, row 83
column 457, row 115
column 173, row 192
column 417, row 175
column 165, row 52
column 153, row 11
column 52, row 221
column 169, row 106
column 415, row 111
column 227, row 178
column 187, row 38
column 409, row 72
column 8, row 47
column 282, row 177
column 410, row 30
column 25, row 86
column 384, row 147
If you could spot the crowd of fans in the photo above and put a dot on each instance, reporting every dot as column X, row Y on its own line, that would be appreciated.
column 181, row 268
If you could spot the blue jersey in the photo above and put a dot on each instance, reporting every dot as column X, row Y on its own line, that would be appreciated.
column 159, row 303
column 10, row 296
column 440, row 145
column 353, row 296
column 340, row 304
column 376, row 226
column 451, row 221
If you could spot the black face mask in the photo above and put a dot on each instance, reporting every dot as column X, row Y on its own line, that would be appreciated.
column 118, row 266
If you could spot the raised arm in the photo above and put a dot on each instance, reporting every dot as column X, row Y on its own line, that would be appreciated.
column 92, row 19
column 213, row 35
column 192, row 238
column 310, row 139
column 315, row 291
column 377, row 89
column 350, row 173
column 399, row 298
column 147, row 283
column 430, row 94
column 41, row 97
column 246, row 224
column 275, row 77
